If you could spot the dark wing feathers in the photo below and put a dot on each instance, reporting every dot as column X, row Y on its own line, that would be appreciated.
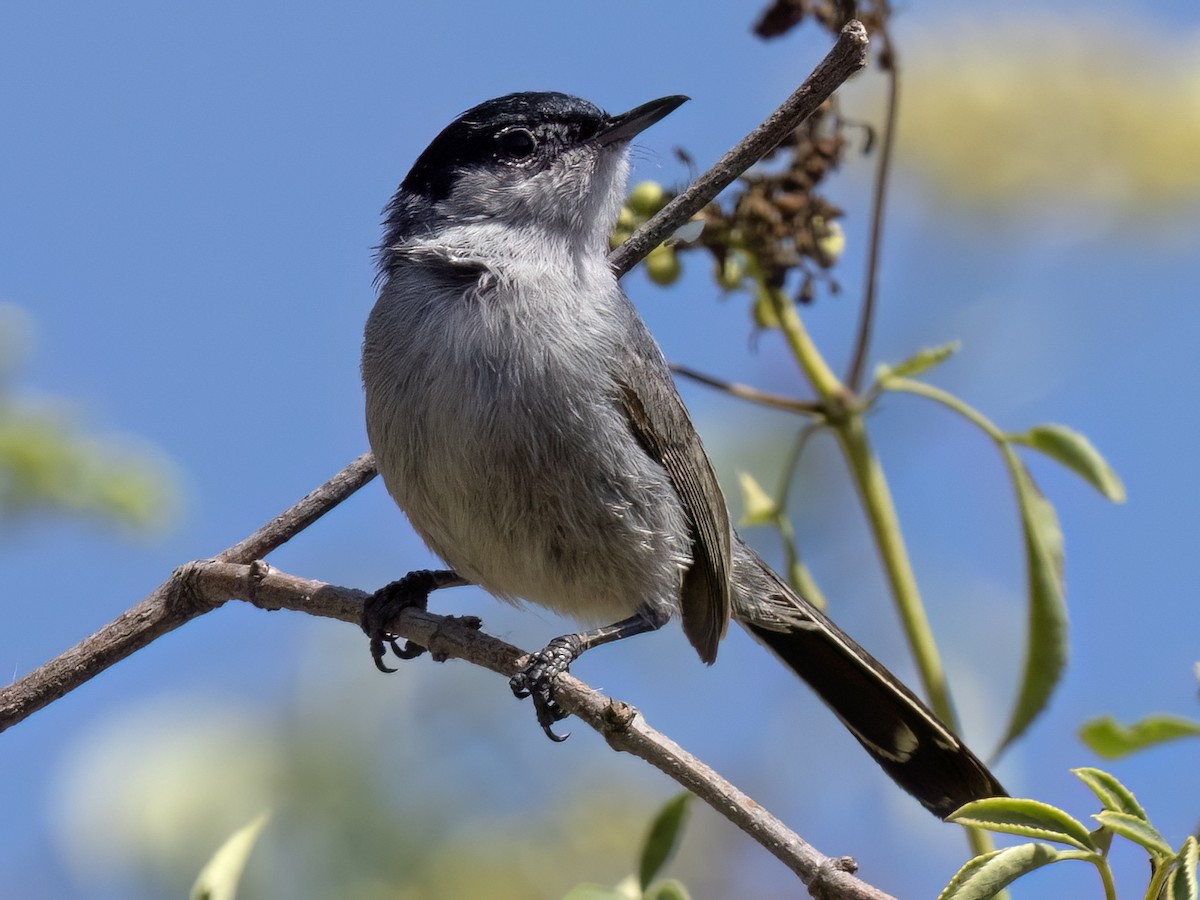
column 660, row 421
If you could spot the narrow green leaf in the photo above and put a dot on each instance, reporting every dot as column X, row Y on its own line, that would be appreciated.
column 598, row 892
column 1027, row 818
column 663, row 839
column 924, row 359
column 219, row 878
column 757, row 506
column 1113, row 795
column 1181, row 884
column 1077, row 453
column 985, row 876
column 802, row 580
column 1138, row 830
column 1046, row 651
column 1108, row 738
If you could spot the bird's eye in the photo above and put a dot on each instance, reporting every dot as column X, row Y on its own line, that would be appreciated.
column 517, row 143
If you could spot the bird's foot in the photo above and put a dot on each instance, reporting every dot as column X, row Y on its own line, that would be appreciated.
column 536, row 680
column 386, row 604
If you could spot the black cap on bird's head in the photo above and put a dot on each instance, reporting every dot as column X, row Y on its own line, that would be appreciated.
column 529, row 160
column 526, row 129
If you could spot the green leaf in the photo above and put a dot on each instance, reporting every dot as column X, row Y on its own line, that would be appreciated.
column 1138, row 830
column 663, row 839
column 1106, row 737
column 1113, row 795
column 1027, row 818
column 924, row 359
column 802, row 581
column 1076, row 452
column 598, row 892
column 1046, row 652
column 985, row 876
column 47, row 463
column 219, row 878
column 757, row 506
column 669, row 889
column 1181, row 884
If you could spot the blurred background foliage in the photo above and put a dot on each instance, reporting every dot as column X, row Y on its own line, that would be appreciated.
column 1038, row 129
column 51, row 465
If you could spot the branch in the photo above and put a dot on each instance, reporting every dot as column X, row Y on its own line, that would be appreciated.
column 751, row 394
column 168, row 606
column 848, row 55
column 211, row 583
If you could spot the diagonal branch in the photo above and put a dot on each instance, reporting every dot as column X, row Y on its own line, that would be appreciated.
column 848, row 55
column 211, row 583
column 168, row 606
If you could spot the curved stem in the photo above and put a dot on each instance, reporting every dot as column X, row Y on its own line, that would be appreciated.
column 1106, row 878
column 883, row 168
column 923, row 389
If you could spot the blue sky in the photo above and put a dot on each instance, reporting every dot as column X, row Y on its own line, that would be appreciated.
column 190, row 199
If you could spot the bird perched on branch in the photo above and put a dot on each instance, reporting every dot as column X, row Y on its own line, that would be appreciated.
column 526, row 422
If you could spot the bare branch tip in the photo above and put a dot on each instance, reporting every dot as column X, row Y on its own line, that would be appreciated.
column 856, row 32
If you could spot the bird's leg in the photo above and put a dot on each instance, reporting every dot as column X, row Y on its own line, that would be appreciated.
column 536, row 678
column 386, row 604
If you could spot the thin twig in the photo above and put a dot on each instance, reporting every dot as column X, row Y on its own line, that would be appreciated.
column 287, row 525
column 883, row 168
column 622, row 725
column 168, row 606
column 754, row 395
column 848, row 55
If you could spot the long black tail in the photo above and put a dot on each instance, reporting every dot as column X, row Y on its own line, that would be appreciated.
column 919, row 753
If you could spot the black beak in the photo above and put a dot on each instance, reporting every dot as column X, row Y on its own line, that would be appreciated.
column 627, row 126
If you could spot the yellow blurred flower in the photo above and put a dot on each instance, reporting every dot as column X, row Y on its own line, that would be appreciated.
column 1042, row 111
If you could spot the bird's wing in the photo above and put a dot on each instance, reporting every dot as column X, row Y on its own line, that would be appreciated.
column 661, row 424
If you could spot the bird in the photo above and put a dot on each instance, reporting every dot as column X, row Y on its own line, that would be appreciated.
column 526, row 422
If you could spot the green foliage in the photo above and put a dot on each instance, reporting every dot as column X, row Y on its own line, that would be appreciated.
column 662, row 840
column 49, row 464
column 1113, row 795
column 1172, row 873
column 1110, row 739
column 988, row 874
column 1046, row 647
column 219, row 878
column 758, row 508
column 1075, row 452
column 921, row 361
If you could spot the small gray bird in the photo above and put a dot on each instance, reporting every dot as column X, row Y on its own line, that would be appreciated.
column 526, row 422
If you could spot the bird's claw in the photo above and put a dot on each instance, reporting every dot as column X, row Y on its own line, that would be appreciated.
column 536, row 681
column 385, row 605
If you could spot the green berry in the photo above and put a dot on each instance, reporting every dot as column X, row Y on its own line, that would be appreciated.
column 647, row 198
column 662, row 265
